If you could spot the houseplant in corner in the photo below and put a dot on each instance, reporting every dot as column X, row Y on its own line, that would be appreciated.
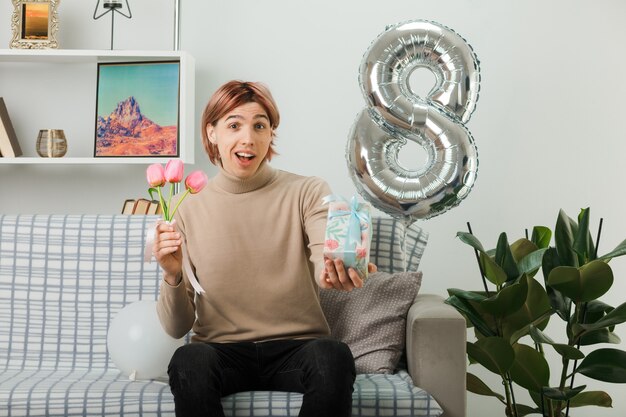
column 510, row 313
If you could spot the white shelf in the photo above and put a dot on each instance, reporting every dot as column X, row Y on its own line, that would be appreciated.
column 49, row 62
column 27, row 160
column 65, row 56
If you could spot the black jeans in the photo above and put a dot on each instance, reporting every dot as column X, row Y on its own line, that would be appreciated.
column 322, row 369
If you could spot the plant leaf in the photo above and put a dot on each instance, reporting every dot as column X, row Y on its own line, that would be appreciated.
column 493, row 272
column 466, row 295
column 539, row 336
column 616, row 316
column 536, row 397
column 599, row 336
column 537, row 305
column 518, row 334
column 521, row 248
column 153, row 190
column 597, row 306
column 619, row 250
column 504, row 257
column 566, row 351
column 531, row 263
column 471, row 240
column 541, row 236
column 595, row 310
column 508, row 300
column 601, row 275
column 494, row 353
column 583, row 245
column 564, row 233
column 586, row 283
column 608, row 365
column 562, row 395
column 560, row 303
column 470, row 313
column 477, row 386
column 530, row 369
column 597, row 398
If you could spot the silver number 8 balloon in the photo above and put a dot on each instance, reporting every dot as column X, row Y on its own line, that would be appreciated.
column 396, row 114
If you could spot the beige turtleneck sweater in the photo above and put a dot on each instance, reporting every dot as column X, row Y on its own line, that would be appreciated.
column 256, row 248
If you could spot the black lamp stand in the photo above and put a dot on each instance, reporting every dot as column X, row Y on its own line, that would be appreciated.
column 112, row 6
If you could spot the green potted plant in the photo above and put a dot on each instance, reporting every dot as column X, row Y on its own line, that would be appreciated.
column 510, row 313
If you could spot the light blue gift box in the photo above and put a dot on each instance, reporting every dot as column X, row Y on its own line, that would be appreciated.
column 348, row 232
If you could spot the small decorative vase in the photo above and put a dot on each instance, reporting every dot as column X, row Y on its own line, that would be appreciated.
column 51, row 143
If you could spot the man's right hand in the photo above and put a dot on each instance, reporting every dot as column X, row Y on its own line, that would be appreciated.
column 167, row 251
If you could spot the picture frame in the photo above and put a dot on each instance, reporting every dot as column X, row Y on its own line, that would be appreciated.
column 35, row 24
column 9, row 145
column 138, row 109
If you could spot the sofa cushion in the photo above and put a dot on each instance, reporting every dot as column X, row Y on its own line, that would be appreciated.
column 105, row 392
column 372, row 319
column 395, row 247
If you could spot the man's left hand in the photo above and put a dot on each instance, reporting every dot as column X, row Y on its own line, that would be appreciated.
column 336, row 275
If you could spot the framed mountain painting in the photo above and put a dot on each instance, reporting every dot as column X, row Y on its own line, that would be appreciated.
column 137, row 109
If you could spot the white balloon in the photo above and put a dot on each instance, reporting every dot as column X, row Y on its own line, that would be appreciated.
column 137, row 343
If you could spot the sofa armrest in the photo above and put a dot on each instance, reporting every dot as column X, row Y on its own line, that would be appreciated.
column 436, row 336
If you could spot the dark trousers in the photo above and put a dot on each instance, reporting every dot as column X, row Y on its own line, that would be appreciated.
column 322, row 369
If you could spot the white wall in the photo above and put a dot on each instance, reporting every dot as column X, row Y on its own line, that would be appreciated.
column 548, row 125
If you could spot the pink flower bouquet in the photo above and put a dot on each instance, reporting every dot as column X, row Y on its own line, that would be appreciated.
column 158, row 176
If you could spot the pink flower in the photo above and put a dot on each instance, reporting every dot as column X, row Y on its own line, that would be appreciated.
column 174, row 170
column 361, row 253
column 196, row 181
column 155, row 175
column 173, row 173
column 331, row 244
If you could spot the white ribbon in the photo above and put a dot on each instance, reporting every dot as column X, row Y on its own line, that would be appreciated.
column 190, row 275
column 147, row 257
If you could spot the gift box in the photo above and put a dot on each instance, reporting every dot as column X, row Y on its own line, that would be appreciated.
column 348, row 233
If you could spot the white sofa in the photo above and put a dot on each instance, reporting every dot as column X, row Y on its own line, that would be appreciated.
column 63, row 278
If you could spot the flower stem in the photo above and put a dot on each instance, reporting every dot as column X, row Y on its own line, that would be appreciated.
column 182, row 197
column 169, row 201
column 163, row 206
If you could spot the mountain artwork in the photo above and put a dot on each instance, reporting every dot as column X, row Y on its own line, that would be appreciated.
column 128, row 132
